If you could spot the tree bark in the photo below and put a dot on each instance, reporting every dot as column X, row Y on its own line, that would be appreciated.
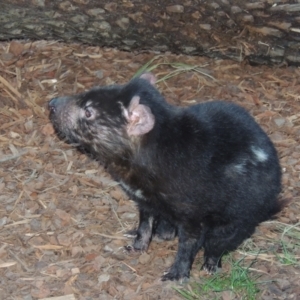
column 260, row 31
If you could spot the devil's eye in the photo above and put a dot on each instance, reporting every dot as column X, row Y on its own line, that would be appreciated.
column 88, row 112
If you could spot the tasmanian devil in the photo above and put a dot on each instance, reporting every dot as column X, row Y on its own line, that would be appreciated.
column 205, row 173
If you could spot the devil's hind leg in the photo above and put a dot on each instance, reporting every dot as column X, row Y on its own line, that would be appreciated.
column 222, row 239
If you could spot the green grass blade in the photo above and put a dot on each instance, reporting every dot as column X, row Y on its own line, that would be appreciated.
column 146, row 67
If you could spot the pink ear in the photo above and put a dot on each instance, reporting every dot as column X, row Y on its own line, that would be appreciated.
column 140, row 118
column 149, row 77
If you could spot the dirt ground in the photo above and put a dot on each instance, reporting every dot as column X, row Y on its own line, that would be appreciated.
column 62, row 218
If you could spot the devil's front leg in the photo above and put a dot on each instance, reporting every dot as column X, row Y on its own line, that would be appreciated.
column 189, row 245
column 162, row 230
column 143, row 234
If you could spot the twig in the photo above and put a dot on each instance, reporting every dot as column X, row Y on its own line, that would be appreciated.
column 7, row 264
column 38, row 200
column 131, row 268
column 23, row 264
column 111, row 236
column 10, row 157
column 10, row 87
column 17, row 201
column 65, row 297
column 55, row 186
column 17, row 223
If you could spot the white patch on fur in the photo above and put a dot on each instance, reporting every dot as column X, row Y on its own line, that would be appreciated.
column 147, row 233
column 236, row 169
column 125, row 186
column 88, row 103
column 138, row 193
column 240, row 168
column 260, row 154
column 151, row 219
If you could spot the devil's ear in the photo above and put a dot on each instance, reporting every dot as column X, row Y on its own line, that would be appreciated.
column 149, row 77
column 139, row 117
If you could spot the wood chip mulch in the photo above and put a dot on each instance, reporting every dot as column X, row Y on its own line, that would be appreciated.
column 62, row 217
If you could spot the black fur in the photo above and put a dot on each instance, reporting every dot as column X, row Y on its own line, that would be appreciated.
column 207, row 173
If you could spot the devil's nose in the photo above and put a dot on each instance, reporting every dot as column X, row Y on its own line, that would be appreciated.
column 52, row 104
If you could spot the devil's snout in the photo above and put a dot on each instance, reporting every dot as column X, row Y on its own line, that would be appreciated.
column 55, row 103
